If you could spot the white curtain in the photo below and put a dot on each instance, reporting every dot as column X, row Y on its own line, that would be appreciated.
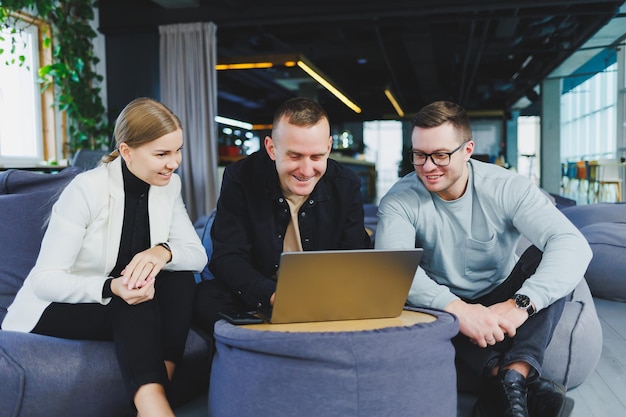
column 189, row 88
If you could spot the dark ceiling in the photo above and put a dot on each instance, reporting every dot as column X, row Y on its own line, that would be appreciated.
column 485, row 55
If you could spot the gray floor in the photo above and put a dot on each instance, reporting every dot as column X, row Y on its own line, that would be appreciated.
column 603, row 394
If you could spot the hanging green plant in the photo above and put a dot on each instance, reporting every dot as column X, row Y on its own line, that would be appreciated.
column 72, row 70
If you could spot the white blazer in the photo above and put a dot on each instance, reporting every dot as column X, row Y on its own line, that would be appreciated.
column 82, row 241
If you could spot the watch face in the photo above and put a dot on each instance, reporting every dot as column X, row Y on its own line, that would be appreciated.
column 522, row 301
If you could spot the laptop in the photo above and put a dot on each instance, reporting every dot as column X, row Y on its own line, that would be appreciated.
column 342, row 285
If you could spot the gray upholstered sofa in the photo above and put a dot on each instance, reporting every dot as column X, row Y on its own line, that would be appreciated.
column 56, row 377
column 604, row 227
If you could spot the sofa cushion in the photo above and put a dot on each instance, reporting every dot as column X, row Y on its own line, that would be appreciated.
column 576, row 345
column 13, row 381
column 43, row 375
column 586, row 214
column 204, row 233
column 16, row 181
column 605, row 273
column 26, row 199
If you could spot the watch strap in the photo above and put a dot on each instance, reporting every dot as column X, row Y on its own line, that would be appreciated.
column 166, row 246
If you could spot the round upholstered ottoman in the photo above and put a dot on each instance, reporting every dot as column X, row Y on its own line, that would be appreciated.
column 571, row 356
column 576, row 345
column 605, row 274
column 387, row 367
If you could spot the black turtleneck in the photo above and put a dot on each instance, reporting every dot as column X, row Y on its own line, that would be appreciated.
column 136, row 226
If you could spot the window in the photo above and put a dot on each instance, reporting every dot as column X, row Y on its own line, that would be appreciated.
column 383, row 146
column 22, row 118
column 528, row 146
column 588, row 115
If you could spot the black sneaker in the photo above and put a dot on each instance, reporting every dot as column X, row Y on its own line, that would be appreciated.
column 546, row 398
column 504, row 395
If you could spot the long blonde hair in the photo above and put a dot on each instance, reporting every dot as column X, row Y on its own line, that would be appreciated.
column 141, row 121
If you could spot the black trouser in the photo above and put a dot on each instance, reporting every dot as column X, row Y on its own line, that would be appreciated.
column 213, row 297
column 532, row 337
column 145, row 335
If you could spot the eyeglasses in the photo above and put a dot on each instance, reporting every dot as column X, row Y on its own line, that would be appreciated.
column 441, row 159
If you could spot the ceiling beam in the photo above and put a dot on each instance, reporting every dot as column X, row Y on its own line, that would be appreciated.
column 177, row 4
column 124, row 18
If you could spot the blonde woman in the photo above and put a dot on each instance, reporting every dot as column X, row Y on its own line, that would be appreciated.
column 117, row 258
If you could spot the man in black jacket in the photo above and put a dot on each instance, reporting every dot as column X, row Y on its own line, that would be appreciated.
column 288, row 196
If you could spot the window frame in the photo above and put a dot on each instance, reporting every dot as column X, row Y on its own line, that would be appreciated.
column 49, row 117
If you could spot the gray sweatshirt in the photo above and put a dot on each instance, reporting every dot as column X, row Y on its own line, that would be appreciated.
column 469, row 243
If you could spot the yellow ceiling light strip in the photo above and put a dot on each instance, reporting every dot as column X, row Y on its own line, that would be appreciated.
column 320, row 79
column 262, row 126
column 394, row 102
column 286, row 60
column 244, row 65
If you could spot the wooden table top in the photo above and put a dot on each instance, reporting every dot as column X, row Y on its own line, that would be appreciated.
column 406, row 318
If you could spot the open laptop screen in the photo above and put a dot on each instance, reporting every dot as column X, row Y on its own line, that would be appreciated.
column 343, row 284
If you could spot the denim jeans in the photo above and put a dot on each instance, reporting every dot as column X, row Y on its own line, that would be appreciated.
column 532, row 338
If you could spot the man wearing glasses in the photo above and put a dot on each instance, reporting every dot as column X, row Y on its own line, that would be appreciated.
column 469, row 216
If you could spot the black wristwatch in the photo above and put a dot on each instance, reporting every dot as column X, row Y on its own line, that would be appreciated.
column 523, row 301
column 166, row 246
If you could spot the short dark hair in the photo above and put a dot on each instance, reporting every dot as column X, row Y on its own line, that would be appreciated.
column 300, row 111
column 440, row 112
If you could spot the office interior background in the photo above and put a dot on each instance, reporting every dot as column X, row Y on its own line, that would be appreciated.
column 571, row 109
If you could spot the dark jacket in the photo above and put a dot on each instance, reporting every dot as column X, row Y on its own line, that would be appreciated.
column 252, row 217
